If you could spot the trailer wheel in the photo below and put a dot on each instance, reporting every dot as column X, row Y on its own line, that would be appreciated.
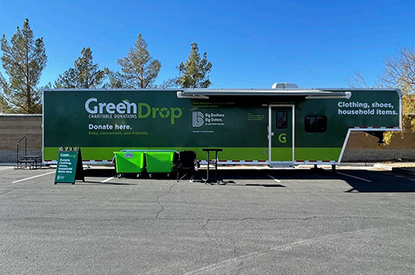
column 119, row 176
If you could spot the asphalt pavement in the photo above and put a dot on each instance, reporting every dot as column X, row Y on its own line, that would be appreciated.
column 360, row 220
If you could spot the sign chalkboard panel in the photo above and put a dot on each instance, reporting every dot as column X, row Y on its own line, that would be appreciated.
column 69, row 167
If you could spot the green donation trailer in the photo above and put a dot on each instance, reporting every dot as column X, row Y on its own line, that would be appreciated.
column 278, row 127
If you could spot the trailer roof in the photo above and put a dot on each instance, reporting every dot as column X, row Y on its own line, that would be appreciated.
column 312, row 93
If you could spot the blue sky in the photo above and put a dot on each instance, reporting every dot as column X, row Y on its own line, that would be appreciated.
column 251, row 44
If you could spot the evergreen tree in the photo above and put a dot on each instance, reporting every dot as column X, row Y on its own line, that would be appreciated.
column 194, row 73
column 84, row 75
column 23, row 61
column 139, row 69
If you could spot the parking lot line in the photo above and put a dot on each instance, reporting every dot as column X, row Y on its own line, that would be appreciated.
column 274, row 179
column 25, row 179
column 351, row 176
column 107, row 180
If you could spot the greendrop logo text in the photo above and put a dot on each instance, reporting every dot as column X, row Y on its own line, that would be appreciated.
column 126, row 109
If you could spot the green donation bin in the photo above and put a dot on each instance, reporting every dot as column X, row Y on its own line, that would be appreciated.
column 129, row 162
column 161, row 161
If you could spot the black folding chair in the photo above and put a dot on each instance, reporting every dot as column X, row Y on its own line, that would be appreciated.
column 188, row 164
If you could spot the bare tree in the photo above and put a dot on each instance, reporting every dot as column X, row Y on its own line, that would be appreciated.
column 357, row 81
column 400, row 72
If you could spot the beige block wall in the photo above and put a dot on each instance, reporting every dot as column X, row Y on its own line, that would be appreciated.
column 15, row 127
column 364, row 147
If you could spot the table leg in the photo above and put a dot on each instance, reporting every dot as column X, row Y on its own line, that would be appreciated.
column 207, row 172
column 216, row 166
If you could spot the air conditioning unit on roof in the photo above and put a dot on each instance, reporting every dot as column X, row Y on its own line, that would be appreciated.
column 284, row 85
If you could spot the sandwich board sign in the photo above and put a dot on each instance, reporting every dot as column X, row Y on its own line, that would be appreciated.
column 69, row 166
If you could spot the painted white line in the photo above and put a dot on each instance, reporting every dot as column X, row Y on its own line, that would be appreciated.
column 224, row 265
column 6, row 168
column 5, row 193
column 107, row 180
column 351, row 176
column 38, row 176
column 404, row 177
column 274, row 179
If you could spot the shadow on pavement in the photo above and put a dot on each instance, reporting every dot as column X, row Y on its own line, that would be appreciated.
column 359, row 180
column 363, row 181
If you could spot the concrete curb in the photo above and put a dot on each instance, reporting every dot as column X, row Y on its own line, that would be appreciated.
column 7, row 164
column 365, row 164
column 383, row 166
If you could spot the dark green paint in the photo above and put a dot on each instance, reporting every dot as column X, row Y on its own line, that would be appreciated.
column 162, row 120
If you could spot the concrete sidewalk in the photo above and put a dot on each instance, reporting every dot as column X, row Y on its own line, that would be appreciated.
column 399, row 167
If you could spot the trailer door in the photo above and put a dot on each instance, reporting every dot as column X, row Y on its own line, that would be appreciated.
column 281, row 134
